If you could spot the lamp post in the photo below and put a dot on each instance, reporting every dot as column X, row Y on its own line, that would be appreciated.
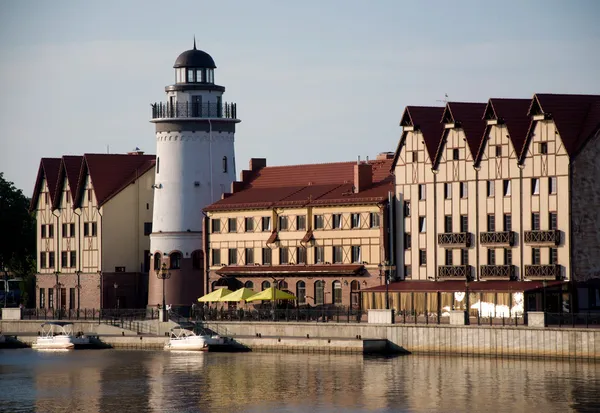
column 115, row 285
column 383, row 271
column 163, row 274
column 5, row 283
column 544, row 284
column 467, row 303
column 275, row 285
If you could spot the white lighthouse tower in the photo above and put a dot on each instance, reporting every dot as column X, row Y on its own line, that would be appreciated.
column 195, row 164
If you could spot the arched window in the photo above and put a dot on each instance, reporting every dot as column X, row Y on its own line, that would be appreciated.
column 283, row 285
column 213, row 286
column 224, row 164
column 301, row 292
column 354, row 293
column 175, row 260
column 249, row 284
column 157, row 259
column 337, row 293
column 197, row 257
column 265, row 285
column 319, row 292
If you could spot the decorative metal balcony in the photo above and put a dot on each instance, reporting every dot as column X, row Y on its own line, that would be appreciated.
column 498, row 238
column 462, row 272
column 543, row 271
column 194, row 110
column 551, row 237
column 455, row 239
column 498, row 271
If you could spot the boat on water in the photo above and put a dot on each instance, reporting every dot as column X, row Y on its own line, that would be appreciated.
column 58, row 335
column 183, row 339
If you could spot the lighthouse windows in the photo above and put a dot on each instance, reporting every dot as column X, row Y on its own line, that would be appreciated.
column 224, row 164
column 199, row 75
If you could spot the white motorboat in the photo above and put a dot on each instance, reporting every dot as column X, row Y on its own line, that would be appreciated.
column 186, row 340
column 59, row 336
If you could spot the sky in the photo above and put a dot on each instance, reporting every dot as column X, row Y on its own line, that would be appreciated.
column 314, row 80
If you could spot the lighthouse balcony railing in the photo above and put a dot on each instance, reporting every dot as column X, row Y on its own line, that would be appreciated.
column 193, row 110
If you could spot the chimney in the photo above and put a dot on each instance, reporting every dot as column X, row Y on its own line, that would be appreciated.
column 136, row 151
column 385, row 155
column 257, row 163
column 363, row 176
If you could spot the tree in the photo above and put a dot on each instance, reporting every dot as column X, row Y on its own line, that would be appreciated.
column 17, row 232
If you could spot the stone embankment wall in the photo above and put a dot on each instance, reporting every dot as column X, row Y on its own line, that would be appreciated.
column 565, row 343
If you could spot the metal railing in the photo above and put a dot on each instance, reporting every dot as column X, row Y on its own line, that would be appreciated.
column 334, row 314
column 501, row 237
column 454, row 271
column 551, row 237
column 165, row 110
column 500, row 271
column 455, row 239
column 548, row 271
column 574, row 320
column 92, row 314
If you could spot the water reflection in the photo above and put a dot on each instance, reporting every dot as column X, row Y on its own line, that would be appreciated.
column 145, row 381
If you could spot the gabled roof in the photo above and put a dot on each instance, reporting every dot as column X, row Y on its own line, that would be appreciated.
column 49, row 170
column 513, row 113
column 314, row 184
column 70, row 168
column 427, row 120
column 470, row 118
column 111, row 173
column 576, row 117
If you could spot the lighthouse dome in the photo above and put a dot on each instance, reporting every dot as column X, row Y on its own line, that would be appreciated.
column 195, row 58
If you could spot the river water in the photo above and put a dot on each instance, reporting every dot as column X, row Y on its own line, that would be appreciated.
column 157, row 381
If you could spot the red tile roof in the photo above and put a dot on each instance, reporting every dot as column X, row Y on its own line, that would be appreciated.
column 291, row 270
column 576, row 118
column 48, row 170
column 315, row 184
column 455, row 286
column 513, row 112
column 72, row 166
column 427, row 120
column 470, row 116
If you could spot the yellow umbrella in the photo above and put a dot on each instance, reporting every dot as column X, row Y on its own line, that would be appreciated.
column 238, row 295
column 215, row 295
column 271, row 294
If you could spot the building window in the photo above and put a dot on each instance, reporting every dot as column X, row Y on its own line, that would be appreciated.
column 337, row 293
column 337, row 221
column 86, row 229
column 406, row 208
column 507, row 256
column 73, row 259
column 355, row 220
column 51, row 259
column 301, row 222
column 224, row 164
column 249, row 256
column 301, row 255
column 50, row 298
column 506, row 187
column 407, row 271
column 422, row 192
column 422, row 257
column 157, row 171
column 65, row 233
column 71, row 230
column 284, row 255
column 535, row 256
column 448, row 223
column 535, row 221
column 507, row 222
column 42, row 260
column 157, row 259
column 249, row 285
column 407, row 240
column 543, row 148
column 42, row 297
column 455, row 154
column 46, row 198
column 301, row 292
column 338, row 256
column 232, row 256
column 318, row 221
column 265, row 285
column 190, row 75
column 283, row 223
column 319, row 292
column 422, row 224
column 374, row 220
column 267, row 256
column 415, row 156
column 448, row 257
column 147, row 228
column 249, row 224
column 464, row 223
column 464, row 256
column 498, row 151
column 490, row 188
column 491, row 223
column 216, row 257
column 464, row 191
column 447, row 190
column 319, row 255
column 43, row 231
column 197, row 260
column 175, row 260
column 266, row 223
column 94, row 229
column 64, row 263
column 51, row 231
column 71, row 298
column 553, row 256
column 552, row 184
column 553, row 221
column 491, row 256
column 215, row 225
column 535, row 186
column 232, row 224
column 356, row 254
